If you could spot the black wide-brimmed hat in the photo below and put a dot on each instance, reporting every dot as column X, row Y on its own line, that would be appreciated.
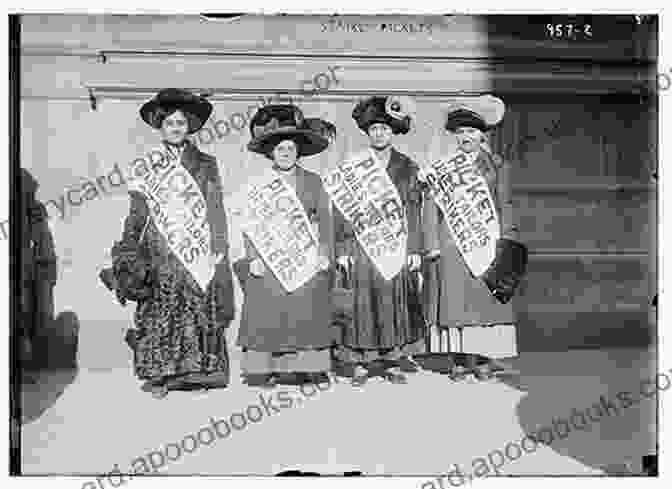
column 396, row 112
column 482, row 112
column 172, row 99
column 320, row 126
column 275, row 123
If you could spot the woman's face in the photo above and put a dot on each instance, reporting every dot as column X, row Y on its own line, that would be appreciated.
column 380, row 135
column 174, row 128
column 285, row 154
column 468, row 138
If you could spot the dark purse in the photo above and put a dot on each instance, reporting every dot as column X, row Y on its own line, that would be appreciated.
column 130, row 276
column 507, row 269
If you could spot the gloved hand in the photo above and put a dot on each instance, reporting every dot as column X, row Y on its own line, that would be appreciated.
column 432, row 254
column 345, row 261
column 414, row 262
column 257, row 267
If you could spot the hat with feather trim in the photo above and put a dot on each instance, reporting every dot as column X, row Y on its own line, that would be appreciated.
column 482, row 112
column 396, row 112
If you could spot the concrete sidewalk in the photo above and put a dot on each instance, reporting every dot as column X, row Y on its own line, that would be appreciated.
column 102, row 419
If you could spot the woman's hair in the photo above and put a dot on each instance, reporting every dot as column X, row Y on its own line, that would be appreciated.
column 162, row 112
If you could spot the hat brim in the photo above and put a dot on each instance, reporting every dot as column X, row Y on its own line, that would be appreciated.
column 308, row 142
column 466, row 118
column 398, row 126
column 483, row 112
column 200, row 110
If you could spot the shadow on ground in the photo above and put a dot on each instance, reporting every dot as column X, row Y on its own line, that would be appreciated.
column 43, row 392
column 562, row 386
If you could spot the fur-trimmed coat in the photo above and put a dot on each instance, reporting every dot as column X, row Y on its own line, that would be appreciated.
column 452, row 296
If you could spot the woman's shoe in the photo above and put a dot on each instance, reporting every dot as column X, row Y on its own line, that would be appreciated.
column 502, row 368
column 317, row 378
column 458, row 373
column 159, row 391
column 483, row 372
column 408, row 365
column 360, row 376
column 265, row 381
column 150, row 384
column 395, row 377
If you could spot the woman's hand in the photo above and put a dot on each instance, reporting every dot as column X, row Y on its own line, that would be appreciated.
column 432, row 254
column 257, row 267
column 215, row 258
column 345, row 261
column 323, row 263
column 414, row 262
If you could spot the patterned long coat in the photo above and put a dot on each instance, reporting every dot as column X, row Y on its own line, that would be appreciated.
column 453, row 298
column 276, row 321
column 180, row 329
column 382, row 319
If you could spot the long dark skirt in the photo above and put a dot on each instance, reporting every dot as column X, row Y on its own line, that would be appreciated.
column 384, row 324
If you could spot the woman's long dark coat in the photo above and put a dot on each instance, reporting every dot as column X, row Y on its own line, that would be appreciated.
column 452, row 296
column 382, row 319
column 274, row 320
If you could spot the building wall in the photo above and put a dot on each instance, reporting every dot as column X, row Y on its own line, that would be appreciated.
column 570, row 131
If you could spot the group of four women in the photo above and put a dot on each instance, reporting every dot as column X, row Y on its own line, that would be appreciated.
column 179, row 339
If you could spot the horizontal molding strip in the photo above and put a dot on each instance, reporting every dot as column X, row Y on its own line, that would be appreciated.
column 630, row 63
column 589, row 254
column 252, row 95
column 543, row 188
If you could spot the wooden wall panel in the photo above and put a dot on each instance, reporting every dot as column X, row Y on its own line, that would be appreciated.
column 585, row 285
column 586, row 220
column 586, row 206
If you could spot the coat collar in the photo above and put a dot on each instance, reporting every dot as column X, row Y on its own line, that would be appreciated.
column 195, row 161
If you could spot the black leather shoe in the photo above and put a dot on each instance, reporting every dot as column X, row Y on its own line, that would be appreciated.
column 265, row 381
column 407, row 365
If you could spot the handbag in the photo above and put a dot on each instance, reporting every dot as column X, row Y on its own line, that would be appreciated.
column 130, row 276
column 507, row 269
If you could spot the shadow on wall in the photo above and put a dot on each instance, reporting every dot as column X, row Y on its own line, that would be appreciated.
column 55, row 344
column 54, row 340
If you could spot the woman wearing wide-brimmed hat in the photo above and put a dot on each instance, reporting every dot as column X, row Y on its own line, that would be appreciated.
column 386, row 327
column 179, row 341
column 286, row 336
column 456, row 299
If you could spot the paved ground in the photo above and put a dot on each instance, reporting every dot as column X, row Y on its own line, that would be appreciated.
column 101, row 418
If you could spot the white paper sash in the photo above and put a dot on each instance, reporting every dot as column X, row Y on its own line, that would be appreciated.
column 179, row 211
column 365, row 194
column 276, row 222
column 469, row 210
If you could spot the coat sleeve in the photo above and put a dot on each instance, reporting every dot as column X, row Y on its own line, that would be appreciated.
column 430, row 222
column 344, row 236
column 225, row 309
column 506, row 202
column 415, row 235
column 137, row 217
column 325, row 223
column 216, row 212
